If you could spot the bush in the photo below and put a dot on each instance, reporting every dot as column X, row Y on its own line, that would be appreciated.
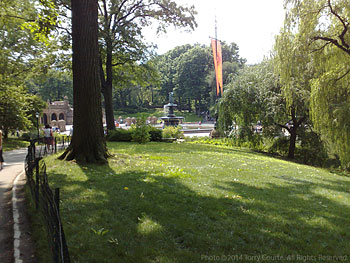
column 172, row 132
column 119, row 135
column 140, row 131
column 279, row 145
column 27, row 136
column 156, row 134
column 312, row 150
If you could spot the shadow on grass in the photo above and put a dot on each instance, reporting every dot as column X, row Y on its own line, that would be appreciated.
column 137, row 216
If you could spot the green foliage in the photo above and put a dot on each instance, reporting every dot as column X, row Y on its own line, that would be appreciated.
column 189, row 72
column 190, row 79
column 18, row 55
column 124, row 135
column 45, row 21
column 321, row 30
column 53, row 85
column 28, row 136
column 140, row 131
column 17, row 108
column 119, row 135
column 172, row 132
column 279, row 145
column 155, row 133
column 312, row 150
column 14, row 143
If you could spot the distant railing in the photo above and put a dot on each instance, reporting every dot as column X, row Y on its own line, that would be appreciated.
column 46, row 200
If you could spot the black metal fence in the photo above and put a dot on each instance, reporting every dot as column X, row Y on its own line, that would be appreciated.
column 46, row 200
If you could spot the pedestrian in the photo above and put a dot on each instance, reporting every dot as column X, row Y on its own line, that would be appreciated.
column 48, row 136
column 1, row 158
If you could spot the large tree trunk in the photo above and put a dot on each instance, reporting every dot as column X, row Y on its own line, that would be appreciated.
column 88, row 143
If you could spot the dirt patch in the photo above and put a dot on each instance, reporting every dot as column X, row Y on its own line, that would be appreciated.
column 6, row 229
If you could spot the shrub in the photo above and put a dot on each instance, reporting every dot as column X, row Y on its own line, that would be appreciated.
column 156, row 134
column 172, row 132
column 279, row 145
column 140, row 131
column 312, row 150
column 119, row 135
column 27, row 136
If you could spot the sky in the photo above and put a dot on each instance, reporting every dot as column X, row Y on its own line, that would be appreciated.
column 251, row 24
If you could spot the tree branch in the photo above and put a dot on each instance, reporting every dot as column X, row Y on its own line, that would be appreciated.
column 284, row 127
column 342, row 76
column 345, row 25
column 334, row 42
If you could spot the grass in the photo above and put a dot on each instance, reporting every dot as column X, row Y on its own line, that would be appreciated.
column 201, row 203
column 13, row 144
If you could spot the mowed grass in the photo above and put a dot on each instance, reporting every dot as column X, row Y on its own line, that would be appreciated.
column 13, row 144
column 163, row 202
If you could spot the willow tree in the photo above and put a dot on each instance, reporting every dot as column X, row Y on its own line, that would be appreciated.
column 322, row 26
column 88, row 143
column 291, row 65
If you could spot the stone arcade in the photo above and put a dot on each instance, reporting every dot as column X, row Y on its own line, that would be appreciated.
column 58, row 114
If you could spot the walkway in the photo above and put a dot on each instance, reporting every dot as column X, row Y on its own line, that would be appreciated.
column 14, row 166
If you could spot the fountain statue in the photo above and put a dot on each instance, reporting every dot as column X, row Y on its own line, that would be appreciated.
column 171, row 119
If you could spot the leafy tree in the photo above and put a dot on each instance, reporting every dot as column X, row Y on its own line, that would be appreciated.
column 167, row 65
column 176, row 63
column 190, row 79
column 18, row 56
column 322, row 27
column 291, row 64
column 121, row 35
column 55, row 85
column 242, row 102
column 256, row 95
column 135, row 84
column 17, row 108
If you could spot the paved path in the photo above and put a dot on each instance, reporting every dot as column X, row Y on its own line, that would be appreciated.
column 14, row 166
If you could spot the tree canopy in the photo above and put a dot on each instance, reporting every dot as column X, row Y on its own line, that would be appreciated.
column 322, row 28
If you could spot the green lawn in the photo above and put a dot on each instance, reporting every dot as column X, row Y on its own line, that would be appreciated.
column 162, row 202
column 14, row 143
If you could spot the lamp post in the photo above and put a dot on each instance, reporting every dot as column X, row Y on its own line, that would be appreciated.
column 37, row 114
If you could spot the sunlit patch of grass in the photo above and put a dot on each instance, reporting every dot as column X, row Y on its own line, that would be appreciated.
column 163, row 202
column 13, row 144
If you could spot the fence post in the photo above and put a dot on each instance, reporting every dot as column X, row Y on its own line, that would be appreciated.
column 55, row 144
column 37, row 182
column 57, row 198
column 32, row 143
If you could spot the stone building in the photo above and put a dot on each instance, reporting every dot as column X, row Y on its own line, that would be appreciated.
column 58, row 114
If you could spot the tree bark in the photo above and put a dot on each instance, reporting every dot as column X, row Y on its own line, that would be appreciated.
column 88, row 143
column 293, row 132
column 107, row 81
column 292, row 141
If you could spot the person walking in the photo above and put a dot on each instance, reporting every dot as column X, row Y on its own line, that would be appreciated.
column 48, row 136
column 1, row 157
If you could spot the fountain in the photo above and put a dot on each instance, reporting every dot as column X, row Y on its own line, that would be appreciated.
column 171, row 119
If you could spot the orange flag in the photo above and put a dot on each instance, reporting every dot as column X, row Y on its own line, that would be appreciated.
column 216, row 46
